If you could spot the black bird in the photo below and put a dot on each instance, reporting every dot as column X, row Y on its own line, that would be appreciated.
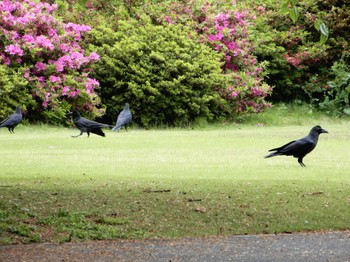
column 299, row 148
column 86, row 125
column 124, row 119
column 13, row 120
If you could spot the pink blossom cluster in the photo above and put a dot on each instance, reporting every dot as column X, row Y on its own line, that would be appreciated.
column 300, row 59
column 56, row 65
column 226, row 32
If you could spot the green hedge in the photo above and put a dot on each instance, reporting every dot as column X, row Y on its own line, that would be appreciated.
column 165, row 74
column 13, row 91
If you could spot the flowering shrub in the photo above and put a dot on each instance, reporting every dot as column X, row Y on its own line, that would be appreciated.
column 57, row 68
column 226, row 32
column 293, row 51
column 300, row 67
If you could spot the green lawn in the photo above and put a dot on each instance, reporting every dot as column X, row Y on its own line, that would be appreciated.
column 170, row 183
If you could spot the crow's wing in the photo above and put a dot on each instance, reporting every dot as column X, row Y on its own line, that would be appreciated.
column 124, row 118
column 89, row 124
column 5, row 122
column 281, row 147
column 13, row 119
column 299, row 147
column 97, row 132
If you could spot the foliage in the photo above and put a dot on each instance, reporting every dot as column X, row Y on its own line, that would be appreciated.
column 161, row 70
column 299, row 64
column 292, row 50
column 336, row 13
column 225, row 32
column 336, row 98
column 330, row 95
column 14, row 90
column 228, row 35
column 260, row 48
column 57, row 69
column 224, row 27
column 290, row 7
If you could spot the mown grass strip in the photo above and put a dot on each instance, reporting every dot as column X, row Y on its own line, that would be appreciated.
column 169, row 183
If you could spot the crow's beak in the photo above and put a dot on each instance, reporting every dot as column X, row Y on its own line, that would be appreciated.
column 324, row 131
column 69, row 113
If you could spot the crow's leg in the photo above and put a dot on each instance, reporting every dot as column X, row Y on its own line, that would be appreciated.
column 300, row 161
column 81, row 132
column 126, row 128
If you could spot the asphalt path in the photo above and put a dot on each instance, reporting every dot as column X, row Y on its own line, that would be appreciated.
column 324, row 246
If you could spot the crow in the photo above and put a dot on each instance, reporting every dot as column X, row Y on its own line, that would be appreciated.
column 299, row 148
column 124, row 119
column 86, row 125
column 13, row 120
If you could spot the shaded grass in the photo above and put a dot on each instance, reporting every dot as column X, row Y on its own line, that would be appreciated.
column 170, row 183
column 290, row 114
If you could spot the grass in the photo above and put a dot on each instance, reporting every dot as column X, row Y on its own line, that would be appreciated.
column 172, row 183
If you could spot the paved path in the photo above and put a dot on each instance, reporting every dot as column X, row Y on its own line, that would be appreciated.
column 331, row 246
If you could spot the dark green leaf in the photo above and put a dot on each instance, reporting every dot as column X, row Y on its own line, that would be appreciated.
column 285, row 7
column 317, row 24
column 324, row 29
column 294, row 14
column 323, row 38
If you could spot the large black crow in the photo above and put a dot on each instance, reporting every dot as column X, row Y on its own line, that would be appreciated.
column 299, row 148
column 124, row 118
column 13, row 120
column 86, row 125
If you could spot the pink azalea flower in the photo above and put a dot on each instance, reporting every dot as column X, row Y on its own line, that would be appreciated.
column 42, row 41
column 47, row 100
column 65, row 90
column 55, row 79
column 64, row 47
column 29, row 39
column 90, row 84
column 40, row 66
column 26, row 74
column 168, row 19
column 59, row 66
column 14, row 50
column 72, row 93
column 94, row 56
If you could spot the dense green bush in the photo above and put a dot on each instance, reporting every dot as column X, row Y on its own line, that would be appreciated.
column 163, row 71
column 336, row 95
column 13, row 91
column 330, row 89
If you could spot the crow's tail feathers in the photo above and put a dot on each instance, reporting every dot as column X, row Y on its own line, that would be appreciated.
column 116, row 128
column 272, row 154
column 98, row 132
